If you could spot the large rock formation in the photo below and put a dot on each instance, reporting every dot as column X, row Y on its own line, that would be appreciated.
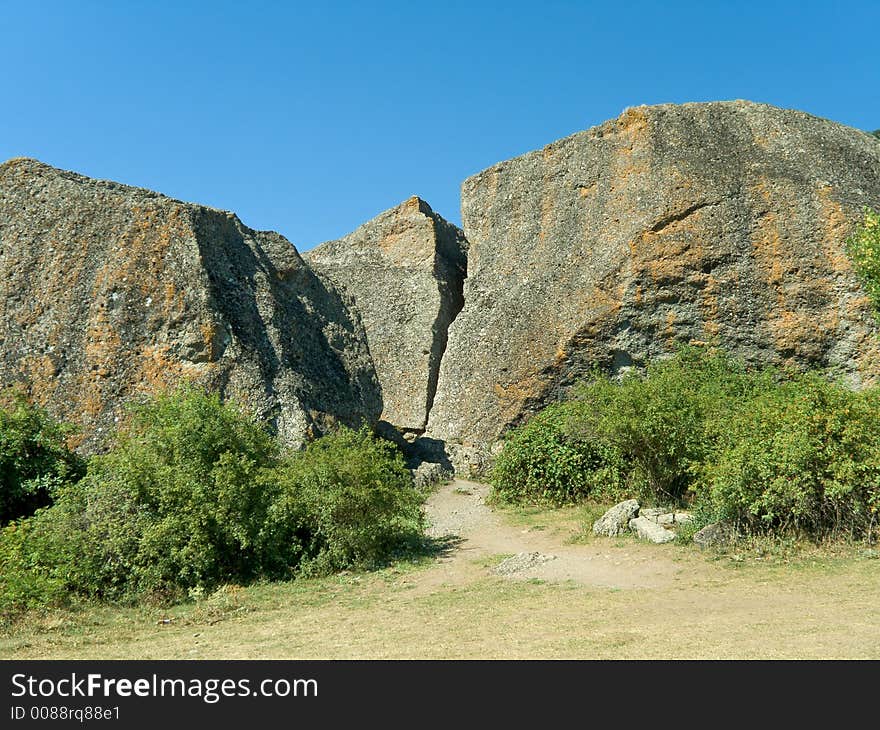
column 109, row 292
column 404, row 270
column 720, row 222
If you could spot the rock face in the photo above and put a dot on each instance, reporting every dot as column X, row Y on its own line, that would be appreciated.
column 109, row 292
column 649, row 530
column 700, row 223
column 715, row 533
column 616, row 520
column 405, row 271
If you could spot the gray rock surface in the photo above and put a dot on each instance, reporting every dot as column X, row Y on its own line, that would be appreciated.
column 428, row 473
column 698, row 223
column 649, row 530
column 405, row 270
column 616, row 520
column 522, row 562
column 716, row 533
column 673, row 518
column 111, row 292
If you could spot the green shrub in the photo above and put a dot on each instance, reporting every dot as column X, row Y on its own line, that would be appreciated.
column 542, row 461
column 863, row 248
column 194, row 494
column 663, row 422
column 804, row 455
column 350, row 499
column 41, row 558
column 34, row 458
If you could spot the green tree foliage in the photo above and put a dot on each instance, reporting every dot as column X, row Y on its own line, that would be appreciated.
column 662, row 421
column 766, row 450
column 194, row 494
column 544, row 461
column 863, row 248
column 803, row 455
column 350, row 500
column 34, row 458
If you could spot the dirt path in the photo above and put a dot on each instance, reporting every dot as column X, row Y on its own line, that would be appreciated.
column 597, row 598
column 458, row 510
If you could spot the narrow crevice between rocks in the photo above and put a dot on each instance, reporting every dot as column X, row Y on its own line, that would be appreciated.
column 450, row 270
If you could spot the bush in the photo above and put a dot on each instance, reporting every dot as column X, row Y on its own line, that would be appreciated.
column 350, row 501
column 803, row 456
column 34, row 458
column 863, row 248
column 542, row 461
column 194, row 494
column 664, row 422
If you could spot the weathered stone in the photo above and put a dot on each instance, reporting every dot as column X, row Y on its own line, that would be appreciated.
column 673, row 518
column 700, row 223
column 716, row 533
column 652, row 512
column 111, row 292
column 616, row 520
column 651, row 531
column 428, row 473
column 521, row 562
column 405, row 270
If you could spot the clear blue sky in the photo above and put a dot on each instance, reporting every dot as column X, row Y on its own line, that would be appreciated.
column 310, row 118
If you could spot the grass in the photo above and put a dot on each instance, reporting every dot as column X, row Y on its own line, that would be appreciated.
column 753, row 600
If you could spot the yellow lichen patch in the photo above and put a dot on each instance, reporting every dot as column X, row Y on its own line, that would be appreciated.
column 38, row 367
column 767, row 240
column 802, row 333
column 632, row 123
column 709, row 306
column 836, row 229
column 159, row 370
column 209, row 337
column 412, row 204
column 670, row 253
column 869, row 360
column 669, row 329
column 512, row 396
column 546, row 214
column 102, row 345
column 585, row 191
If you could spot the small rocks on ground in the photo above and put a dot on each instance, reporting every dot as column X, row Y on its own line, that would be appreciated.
column 648, row 530
column 616, row 520
column 521, row 562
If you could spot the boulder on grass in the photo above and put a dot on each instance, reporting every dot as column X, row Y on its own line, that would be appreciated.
column 651, row 531
column 616, row 520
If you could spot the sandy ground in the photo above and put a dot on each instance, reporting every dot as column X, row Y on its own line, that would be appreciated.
column 590, row 598
column 458, row 509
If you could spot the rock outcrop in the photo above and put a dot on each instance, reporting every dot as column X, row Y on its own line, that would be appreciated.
column 701, row 223
column 110, row 292
column 405, row 271
column 652, row 532
column 616, row 520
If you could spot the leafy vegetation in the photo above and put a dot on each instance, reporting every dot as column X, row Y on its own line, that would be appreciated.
column 195, row 494
column 763, row 449
column 34, row 458
column 803, row 455
column 663, row 422
column 542, row 461
column 863, row 248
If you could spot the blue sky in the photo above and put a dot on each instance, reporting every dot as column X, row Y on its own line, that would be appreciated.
column 311, row 118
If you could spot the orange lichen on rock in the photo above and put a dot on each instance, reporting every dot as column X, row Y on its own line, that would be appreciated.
column 837, row 228
column 158, row 369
